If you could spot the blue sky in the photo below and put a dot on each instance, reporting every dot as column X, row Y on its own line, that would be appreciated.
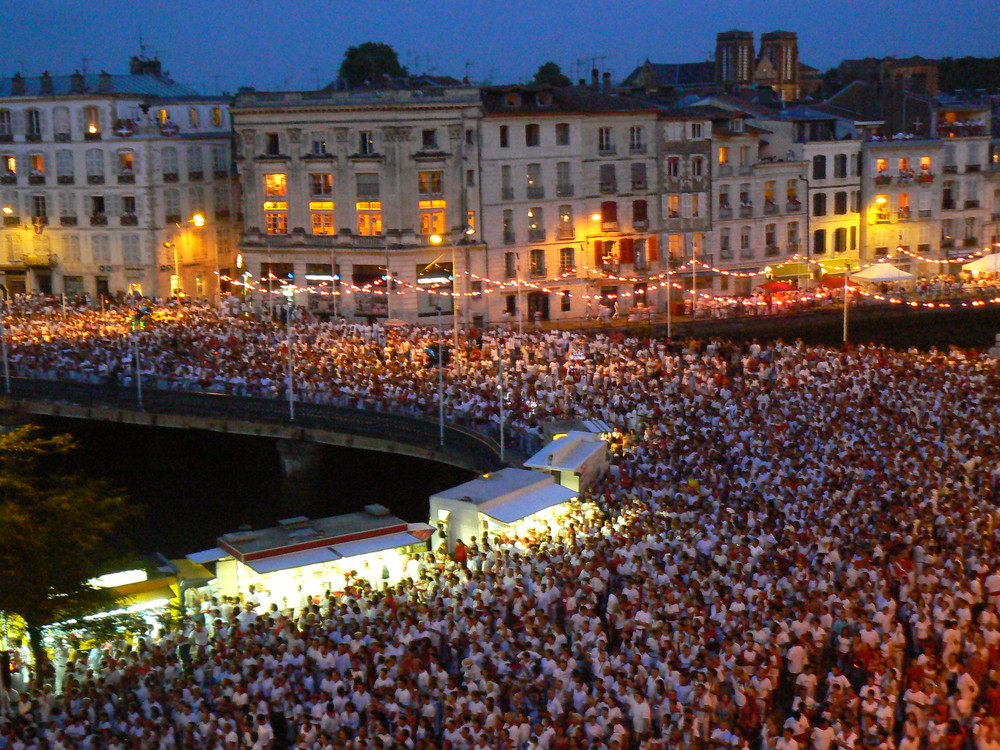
column 296, row 43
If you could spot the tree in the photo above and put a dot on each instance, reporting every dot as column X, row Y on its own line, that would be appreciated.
column 58, row 531
column 550, row 74
column 370, row 63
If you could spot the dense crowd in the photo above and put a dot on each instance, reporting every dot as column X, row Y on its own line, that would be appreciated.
column 795, row 547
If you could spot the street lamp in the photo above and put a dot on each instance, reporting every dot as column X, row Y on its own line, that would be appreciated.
column 7, row 211
column 436, row 239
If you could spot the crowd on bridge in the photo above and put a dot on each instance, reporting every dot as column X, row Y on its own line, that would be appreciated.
column 795, row 547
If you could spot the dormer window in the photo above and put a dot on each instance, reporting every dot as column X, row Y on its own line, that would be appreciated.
column 736, row 125
column 512, row 99
column 544, row 98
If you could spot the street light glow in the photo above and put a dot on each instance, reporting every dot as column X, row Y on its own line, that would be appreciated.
column 435, row 239
column 8, row 210
column 198, row 220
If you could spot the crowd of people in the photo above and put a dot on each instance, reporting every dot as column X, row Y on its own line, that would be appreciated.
column 795, row 547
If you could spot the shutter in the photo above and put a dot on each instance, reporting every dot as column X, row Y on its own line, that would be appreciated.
column 626, row 250
column 638, row 210
column 609, row 211
column 652, row 249
column 598, row 253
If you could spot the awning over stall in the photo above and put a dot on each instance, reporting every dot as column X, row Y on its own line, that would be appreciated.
column 511, row 509
column 208, row 555
column 293, row 560
column 375, row 544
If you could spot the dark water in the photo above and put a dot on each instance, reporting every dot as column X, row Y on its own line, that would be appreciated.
column 196, row 486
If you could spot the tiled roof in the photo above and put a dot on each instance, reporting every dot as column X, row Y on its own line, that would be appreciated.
column 581, row 99
column 128, row 85
column 675, row 75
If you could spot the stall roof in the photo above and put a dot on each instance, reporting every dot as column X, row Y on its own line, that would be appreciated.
column 293, row 560
column 568, row 453
column 509, row 510
column 376, row 544
column 496, row 485
column 208, row 555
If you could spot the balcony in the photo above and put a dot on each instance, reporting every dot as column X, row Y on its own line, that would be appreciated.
column 220, row 174
column 173, row 218
column 972, row 204
column 746, row 211
column 924, row 213
column 507, row 193
column 67, row 221
column 609, row 188
column 36, row 179
column 606, row 151
column 196, row 176
column 725, row 212
column 8, row 178
column 95, row 179
column 883, row 179
column 948, row 204
column 88, row 136
column 33, row 137
column 950, row 169
column 640, row 225
column 725, row 170
column 536, row 235
column 536, row 191
column 770, row 208
column 37, row 260
column 609, row 226
column 567, row 270
column 565, row 233
column 98, row 220
column 126, row 178
column 129, row 220
column 771, row 250
column 970, row 242
column 65, row 179
column 793, row 206
column 973, row 168
column 564, row 191
column 369, row 241
column 509, row 238
column 882, row 217
column 903, row 214
column 925, row 178
column 11, row 221
column 947, row 243
column 638, row 185
column 171, row 177
column 62, row 137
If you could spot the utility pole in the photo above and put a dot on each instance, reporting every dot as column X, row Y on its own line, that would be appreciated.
column 291, row 361
column 440, row 364
column 3, row 339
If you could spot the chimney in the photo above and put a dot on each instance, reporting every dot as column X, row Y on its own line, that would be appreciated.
column 17, row 85
column 46, row 83
column 595, row 78
column 606, row 81
column 104, row 81
column 76, row 82
column 140, row 66
column 583, row 82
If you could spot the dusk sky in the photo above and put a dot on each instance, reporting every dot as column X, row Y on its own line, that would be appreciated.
column 222, row 44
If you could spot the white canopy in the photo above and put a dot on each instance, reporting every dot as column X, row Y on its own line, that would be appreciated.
column 375, row 544
column 510, row 509
column 293, row 560
column 882, row 272
column 988, row 263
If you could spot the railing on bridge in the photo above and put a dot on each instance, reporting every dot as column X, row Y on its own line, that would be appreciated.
column 476, row 444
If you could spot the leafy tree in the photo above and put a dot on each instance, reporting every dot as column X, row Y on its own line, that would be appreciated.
column 370, row 63
column 550, row 74
column 58, row 530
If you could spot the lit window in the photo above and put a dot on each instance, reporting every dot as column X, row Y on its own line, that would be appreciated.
column 925, row 164
column 429, row 183
column 217, row 116
column 432, row 217
column 723, row 154
column 126, row 161
column 470, row 221
column 193, row 117
column 366, row 142
column 276, row 220
column 322, row 217
column 162, row 116
column 37, row 164
column 275, row 184
column 369, row 218
column 93, row 116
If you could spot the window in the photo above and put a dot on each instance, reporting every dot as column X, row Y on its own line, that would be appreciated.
column 369, row 218
column 566, row 229
column 506, row 186
column 925, row 164
column 67, row 204
column 275, row 184
column 792, row 191
column 366, row 143
column 508, row 226
column 638, row 170
column 536, row 261
column 724, row 197
column 128, row 205
column 470, row 178
column 744, row 156
column 771, row 237
column 196, row 162
column 504, row 136
column 562, row 134
column 840, row 166
column 609, row 212
column 745, row 250
column 840, row 202
column 723, row 155
column 193, row 118
column 431, row 216
column 609, row 184
column 367, row 186
column 71, row 248
column 854, row 238
column 510, row 265
column 38, row 208
column 745, row 201
column 819, row 167
column 673, row 206
column 95, row 163
column 6, row 123
column 37, row 164
column 162, row 116
column 605, row 142
column 220, row 160
column 819, row 204
column 567, row 260
column 536, row 224
column 792, row 236
column 840, row 240
column 673, row 166
column 725, row 243
column 429, row 183
column 317, row 144
column 64, row 164
column 321, row 217
column 33, row 124
column 172, row 205
column 470, row 222
column 126, row 163
column 60, row 123
column 697, row 166
column 429, row 139
column 217, row 116
column 697, row 130
column 131, row 255
column 321, row 183
column 882, row 207
column 636, row 139
column 564, row 182
column 276, row 220
column 100, row 246
column 769, row 194
column 533, row 181
column 470, row 137
column 640, row 217
column 168, row 160
column 272, row 144
column 532, row 135
column 565, row 300
column 819, row 242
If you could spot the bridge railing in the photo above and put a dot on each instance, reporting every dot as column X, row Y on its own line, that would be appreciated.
column 471, row 440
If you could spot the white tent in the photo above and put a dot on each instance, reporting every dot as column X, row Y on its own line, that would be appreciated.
column 988, row 264
column 882, row 272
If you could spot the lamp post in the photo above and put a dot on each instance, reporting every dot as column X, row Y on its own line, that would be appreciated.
column 437, row 239
column 670, row 291
column 3, row 343
column 847, row 279
column 177, row 280
column 503, row 395
column 440, row 364
column 291, row 358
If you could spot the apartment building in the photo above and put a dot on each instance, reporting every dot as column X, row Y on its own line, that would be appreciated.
column 101, row 178
column 373, row 194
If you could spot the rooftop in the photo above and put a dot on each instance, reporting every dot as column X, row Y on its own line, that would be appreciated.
column 96, row 84
column 492, row 486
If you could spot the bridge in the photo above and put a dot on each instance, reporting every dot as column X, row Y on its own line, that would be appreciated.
column 297, row 439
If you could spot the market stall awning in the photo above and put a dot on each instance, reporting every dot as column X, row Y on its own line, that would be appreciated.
column 509, row 510
column 208, row 555
column 375, row 544
column 792, row 271
column 293, row 560
column 836, row 266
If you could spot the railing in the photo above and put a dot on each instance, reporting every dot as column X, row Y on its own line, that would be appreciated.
column 507, row 193
column 564, row 191
column 536, row 191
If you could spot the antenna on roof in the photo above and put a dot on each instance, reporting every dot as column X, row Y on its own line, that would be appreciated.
column 142, row 44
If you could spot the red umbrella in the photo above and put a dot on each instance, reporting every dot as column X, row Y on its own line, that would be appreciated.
column 836, row 282
column 777, row 286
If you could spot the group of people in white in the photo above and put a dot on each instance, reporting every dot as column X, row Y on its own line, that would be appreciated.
column 795, row 547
